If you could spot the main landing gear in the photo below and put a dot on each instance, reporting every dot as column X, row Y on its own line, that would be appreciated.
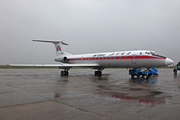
column 64, row 73
column 96, row 73
column 99, row 72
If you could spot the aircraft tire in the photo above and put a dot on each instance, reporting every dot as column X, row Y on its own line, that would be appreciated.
column 97, row 73
column 100, row 73
column 64, row 73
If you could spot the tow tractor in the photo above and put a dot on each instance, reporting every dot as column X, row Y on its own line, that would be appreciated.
column 137, row 72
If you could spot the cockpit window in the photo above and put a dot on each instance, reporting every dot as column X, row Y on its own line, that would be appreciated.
column 160, row 56
column 155, row 54
column 152, row 53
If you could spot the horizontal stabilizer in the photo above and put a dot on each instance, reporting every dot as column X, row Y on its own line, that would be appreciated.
column 53, row 41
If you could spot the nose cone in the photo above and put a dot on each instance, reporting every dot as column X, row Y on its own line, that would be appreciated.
column 168, row 61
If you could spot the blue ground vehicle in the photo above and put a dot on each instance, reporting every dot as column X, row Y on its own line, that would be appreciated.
column 144, row 74
column 135, row 72
column 152, row 71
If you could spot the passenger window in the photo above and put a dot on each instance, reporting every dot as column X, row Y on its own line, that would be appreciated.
column 122, row 53
column 147, row 53
column 112, row 54
column 128, row 53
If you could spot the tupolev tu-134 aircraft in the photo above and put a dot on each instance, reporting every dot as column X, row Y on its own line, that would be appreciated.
column 100, row 61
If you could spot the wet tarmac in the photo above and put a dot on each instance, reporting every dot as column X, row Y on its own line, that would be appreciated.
column 43, row 94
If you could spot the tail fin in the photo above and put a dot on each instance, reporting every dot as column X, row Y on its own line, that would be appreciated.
column 58, row 45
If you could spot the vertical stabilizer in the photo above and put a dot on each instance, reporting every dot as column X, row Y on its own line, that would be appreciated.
column 58, row 46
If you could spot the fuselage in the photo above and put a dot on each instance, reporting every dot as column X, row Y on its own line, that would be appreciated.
column 120, row 59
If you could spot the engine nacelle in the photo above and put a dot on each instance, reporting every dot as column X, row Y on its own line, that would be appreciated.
column 65, row 59
column 61, row 59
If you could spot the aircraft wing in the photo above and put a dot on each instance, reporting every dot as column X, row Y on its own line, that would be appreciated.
column 57, row 65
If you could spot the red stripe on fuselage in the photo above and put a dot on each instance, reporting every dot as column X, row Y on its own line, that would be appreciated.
column 117, row 57
column 148, row 57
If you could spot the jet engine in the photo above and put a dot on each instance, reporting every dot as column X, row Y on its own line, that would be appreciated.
column 61, row 59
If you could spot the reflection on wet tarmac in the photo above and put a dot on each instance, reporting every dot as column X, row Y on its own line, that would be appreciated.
column 151, row 80
column 107, row 82
column 118, row 97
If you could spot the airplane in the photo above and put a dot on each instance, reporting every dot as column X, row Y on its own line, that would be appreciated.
column 100, row 61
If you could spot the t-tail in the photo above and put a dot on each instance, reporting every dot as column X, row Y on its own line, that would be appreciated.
column 61, row 54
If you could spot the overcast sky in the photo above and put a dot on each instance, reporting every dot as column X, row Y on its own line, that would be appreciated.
column 88, row 26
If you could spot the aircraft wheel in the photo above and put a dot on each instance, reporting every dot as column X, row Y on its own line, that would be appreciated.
column 97, row 73
column 100, row 73
column 64, row 73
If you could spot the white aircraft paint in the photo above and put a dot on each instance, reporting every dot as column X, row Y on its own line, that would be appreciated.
column 118, row 59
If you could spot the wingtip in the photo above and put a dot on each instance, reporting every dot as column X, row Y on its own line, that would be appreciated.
column 8, row 64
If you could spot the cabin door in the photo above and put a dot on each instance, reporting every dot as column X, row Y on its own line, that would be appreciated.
column 134, row 59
